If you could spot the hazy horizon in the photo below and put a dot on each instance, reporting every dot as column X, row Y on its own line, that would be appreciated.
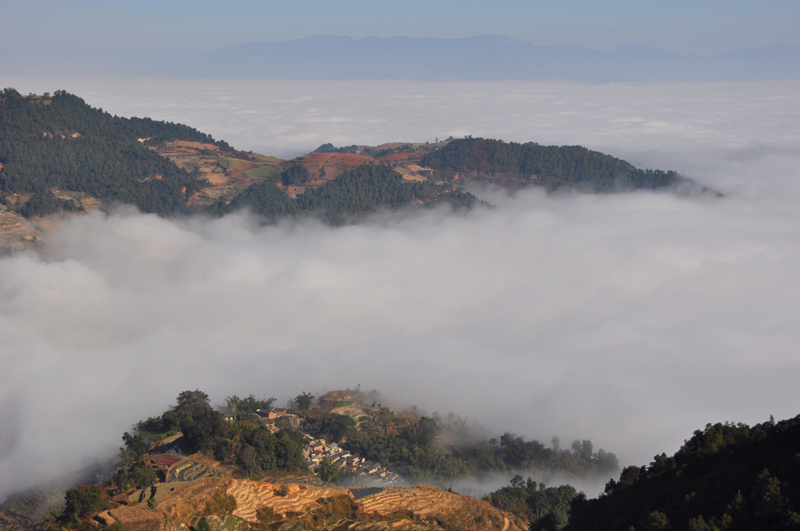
column 174, row 39
column 98, row 28
column 628, row 319
column 491, row 57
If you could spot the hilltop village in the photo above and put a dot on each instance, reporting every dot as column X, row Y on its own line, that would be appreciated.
column 249, row 466
column 337, row 464
column 328, row 463
column 317, row 452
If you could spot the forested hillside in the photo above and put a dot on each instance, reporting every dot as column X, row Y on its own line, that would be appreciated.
column 726, row 477
column 362, row 190
column 57, row 151
column 549, row 166
column 430, row 449
column 370, row 187
column 60, row 142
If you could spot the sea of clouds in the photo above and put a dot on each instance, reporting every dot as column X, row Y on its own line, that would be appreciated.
column 628, row 319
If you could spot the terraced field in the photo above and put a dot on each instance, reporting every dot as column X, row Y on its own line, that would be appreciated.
column 183, row 502
column 425, row 504
column 284, row 498
column 389, row 508
column 188, row 470
column 227, row 175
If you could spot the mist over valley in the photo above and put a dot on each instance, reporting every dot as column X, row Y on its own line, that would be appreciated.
column 631, row 319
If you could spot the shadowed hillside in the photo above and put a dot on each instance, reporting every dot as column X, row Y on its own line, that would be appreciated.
column 727, row 476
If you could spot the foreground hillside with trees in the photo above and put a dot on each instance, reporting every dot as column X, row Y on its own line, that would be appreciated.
column 206, row 453
column 248, row 465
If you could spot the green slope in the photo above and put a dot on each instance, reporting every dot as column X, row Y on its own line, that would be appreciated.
column 550, row 166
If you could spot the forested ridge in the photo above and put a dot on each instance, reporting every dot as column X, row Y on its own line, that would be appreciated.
column 370, row 187
column 550, row 166
column 365, row 189
column 60, row 142
column 726, row 477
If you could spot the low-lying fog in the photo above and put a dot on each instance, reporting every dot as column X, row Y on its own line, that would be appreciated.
column 629, row 319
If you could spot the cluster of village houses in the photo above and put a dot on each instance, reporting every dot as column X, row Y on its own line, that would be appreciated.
column 316, row 450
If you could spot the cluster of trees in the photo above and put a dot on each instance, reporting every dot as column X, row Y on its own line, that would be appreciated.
column 416, row 449
column 295, row 174
column 245, row 408
column 411, row 452
column 80, row 505
column 330, row 148
column 136, row 474
column 45, row 203
column 60, row 142
column 242, row 442
column 356, row 192
column 265, row 199
column 333, row 473
column 332, row 427
column 366, row 150
column 303, row 402
column 546, row 508
column 258, row 451
column 363, row 189
column 371, row 187
column 726, row 477
column 551, row 166
column 515, row 453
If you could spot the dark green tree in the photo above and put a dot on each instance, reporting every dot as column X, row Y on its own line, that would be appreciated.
column 193, row 402
column 295, row 174
column 303, row 402
column 135, row 446
column 328, row 472
column 83, row 502
column 203, row 428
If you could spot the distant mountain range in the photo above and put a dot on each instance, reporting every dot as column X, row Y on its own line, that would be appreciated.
column 479, row 58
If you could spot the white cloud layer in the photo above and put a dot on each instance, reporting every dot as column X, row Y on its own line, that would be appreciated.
column 629, row 319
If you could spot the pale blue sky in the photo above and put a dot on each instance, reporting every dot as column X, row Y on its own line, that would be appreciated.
column 702, row 27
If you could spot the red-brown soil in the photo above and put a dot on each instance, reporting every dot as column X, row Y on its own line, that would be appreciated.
column 402, row 156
